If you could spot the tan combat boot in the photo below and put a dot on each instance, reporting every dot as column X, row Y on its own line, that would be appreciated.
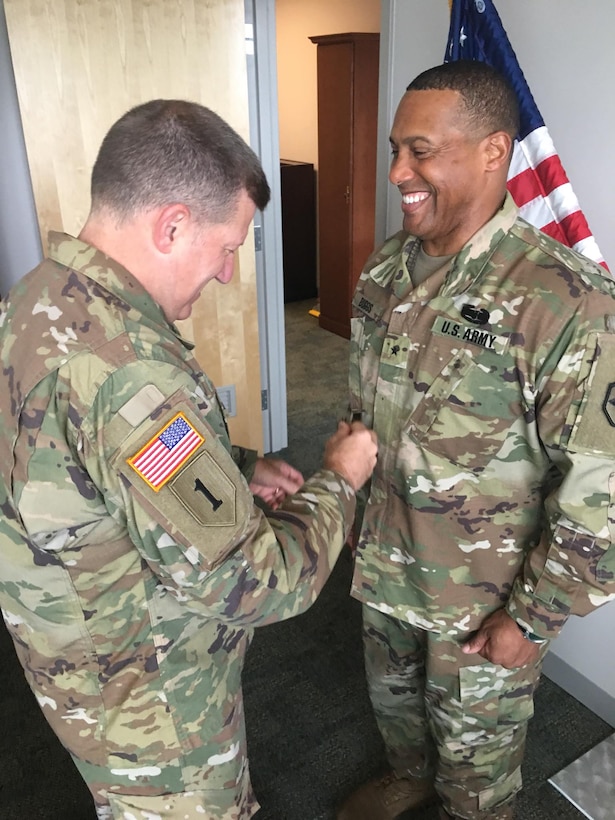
column 385, row 798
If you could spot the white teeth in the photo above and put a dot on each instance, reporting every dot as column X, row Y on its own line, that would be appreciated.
column 411, row 199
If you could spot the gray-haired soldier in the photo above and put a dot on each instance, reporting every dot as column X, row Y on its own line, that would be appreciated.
column 134, row 563
column 482, row 355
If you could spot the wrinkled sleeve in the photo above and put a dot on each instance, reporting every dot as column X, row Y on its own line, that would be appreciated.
column 189, row 512
column 572, row 568
column 245, row 459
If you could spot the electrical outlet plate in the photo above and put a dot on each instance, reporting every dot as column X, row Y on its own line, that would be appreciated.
column 228, row 399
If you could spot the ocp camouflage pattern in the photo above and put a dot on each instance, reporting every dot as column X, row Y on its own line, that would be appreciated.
column 491, row 387
column 131, row 609
column 454, row 720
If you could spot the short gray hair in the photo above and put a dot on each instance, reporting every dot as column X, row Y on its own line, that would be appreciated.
column 166, row 151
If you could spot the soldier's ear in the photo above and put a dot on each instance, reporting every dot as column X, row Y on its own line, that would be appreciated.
column 498, row 148
column 169, row 226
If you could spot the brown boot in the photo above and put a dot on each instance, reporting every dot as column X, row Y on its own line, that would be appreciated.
column 385, row 798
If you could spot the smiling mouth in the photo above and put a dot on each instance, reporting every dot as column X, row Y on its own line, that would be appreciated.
column 413, row 199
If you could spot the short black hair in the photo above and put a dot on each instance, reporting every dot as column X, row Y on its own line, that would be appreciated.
column 490, row 102
column 166, row 151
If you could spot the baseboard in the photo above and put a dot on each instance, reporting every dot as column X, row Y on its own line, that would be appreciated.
column 584, row 690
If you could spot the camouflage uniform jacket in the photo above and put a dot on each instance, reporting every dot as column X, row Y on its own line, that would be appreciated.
column 133, row 561
column 491, row 389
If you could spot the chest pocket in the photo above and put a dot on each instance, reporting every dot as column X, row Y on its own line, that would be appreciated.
column 472, row 411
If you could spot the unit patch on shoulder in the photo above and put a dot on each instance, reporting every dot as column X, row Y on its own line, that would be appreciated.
column 608, row 404
column 166, row 452
column 593, row 428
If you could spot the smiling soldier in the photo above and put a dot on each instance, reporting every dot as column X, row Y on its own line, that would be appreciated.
column 482, row 356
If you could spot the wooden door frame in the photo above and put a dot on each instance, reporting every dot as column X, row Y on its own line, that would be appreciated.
column 264, row 136
column 20, row 241
column 19, row 213
column 387, row 104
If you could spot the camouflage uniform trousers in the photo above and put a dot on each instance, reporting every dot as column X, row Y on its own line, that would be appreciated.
column 190, row 805
column 447, row 715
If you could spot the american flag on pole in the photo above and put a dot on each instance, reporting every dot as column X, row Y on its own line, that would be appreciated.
column 536, row 180
column 166, row 452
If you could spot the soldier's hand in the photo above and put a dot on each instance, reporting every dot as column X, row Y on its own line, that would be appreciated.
column 274, row 479
column 351, row 451
column 500, row 641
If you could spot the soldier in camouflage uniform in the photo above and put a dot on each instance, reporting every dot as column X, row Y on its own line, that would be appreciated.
column 134, row 563
column 481, row 355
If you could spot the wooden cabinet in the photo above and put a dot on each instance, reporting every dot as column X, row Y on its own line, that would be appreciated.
column 347, row 137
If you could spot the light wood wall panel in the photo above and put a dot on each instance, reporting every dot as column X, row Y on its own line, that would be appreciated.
column 79, row 65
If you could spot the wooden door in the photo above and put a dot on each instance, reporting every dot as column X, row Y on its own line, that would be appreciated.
column 335, row 79
column 347, row 131
column 78, row 67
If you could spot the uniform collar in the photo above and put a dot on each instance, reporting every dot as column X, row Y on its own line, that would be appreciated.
column 87, row 260
column 466, row 267
column 470, row 262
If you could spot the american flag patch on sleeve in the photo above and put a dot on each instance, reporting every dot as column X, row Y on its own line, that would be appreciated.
column 166, row 452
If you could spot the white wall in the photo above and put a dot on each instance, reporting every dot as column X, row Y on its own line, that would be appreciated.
column 582, row 661
column 20, row 243
column 296, row 22
column 565, row 50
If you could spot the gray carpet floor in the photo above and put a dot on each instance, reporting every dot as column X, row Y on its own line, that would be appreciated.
column 311, row 735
